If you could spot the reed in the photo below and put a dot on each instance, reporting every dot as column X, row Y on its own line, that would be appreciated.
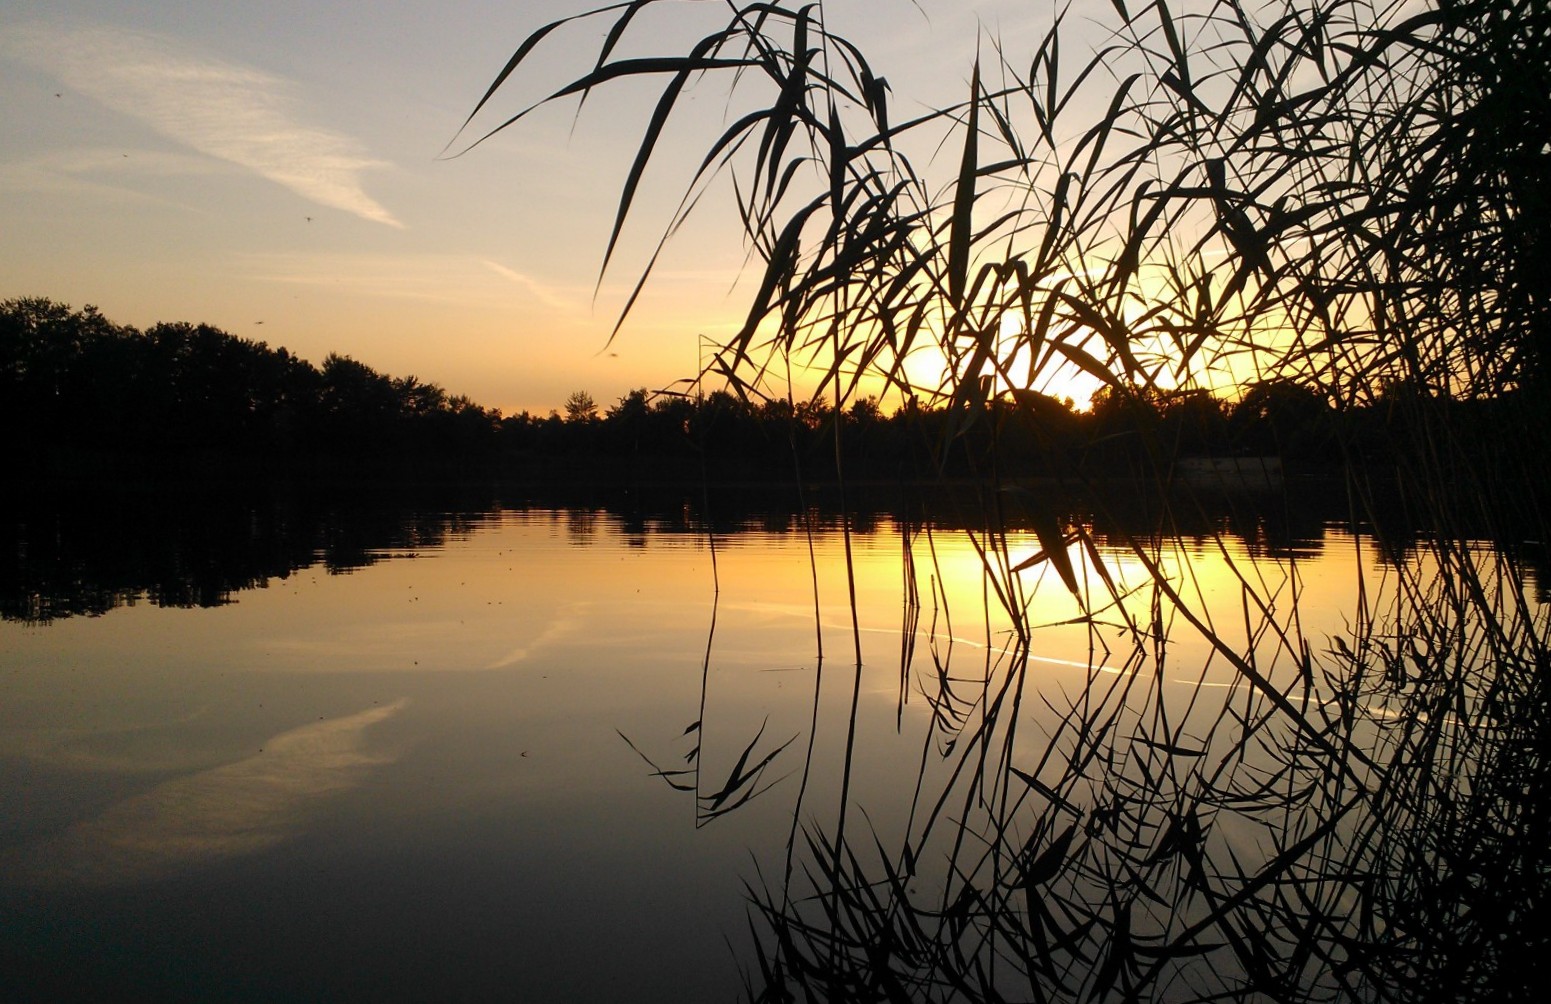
column 1346, row 196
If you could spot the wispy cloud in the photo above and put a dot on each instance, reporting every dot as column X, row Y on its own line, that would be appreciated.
column 538, row 290
column 463, row 280
column 435, row 278
column 226, row 110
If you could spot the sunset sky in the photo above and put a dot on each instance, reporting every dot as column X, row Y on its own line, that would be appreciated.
column 278, row 170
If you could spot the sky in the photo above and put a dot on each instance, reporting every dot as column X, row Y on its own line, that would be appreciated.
column 283, row 171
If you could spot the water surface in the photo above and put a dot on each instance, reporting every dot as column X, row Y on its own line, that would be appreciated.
column 512, row 750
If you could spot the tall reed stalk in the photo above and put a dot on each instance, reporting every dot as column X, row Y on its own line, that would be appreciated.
column 1347, row 195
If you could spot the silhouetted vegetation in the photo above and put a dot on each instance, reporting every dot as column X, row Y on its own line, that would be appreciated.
column 81, row 391
column 1341, row 201
column 78, row 391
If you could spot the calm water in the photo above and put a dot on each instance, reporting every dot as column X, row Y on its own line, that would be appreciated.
column 375, row 750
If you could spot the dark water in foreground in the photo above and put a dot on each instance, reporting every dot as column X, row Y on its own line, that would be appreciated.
column 382, row 748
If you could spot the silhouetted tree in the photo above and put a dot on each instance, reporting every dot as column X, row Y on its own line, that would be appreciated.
column 580, row 407
column 1281, row 417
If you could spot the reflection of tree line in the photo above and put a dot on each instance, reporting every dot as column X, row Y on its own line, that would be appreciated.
column 78, row 386
column 62, row 554
column 69, row 555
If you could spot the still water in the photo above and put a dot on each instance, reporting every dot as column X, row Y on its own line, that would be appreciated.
column 524, row 750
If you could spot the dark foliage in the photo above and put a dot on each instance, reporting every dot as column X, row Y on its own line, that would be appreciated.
column 77, row 389
column 1342, row 199
column 82, row 391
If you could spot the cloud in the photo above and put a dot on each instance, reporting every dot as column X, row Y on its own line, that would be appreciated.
column 540, row 292
column 225, row 110
column 433, row 278
column 455, row 279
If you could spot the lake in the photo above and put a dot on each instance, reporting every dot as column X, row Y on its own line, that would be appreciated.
column 390, row 745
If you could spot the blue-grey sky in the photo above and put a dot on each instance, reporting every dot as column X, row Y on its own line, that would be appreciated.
column 274, row 169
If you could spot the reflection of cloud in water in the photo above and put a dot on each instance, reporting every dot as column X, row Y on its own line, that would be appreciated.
column 364, row 646
column 225, row 812
column 563, row 624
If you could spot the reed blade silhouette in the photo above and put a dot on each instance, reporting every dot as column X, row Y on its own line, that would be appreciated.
column 1342, row 197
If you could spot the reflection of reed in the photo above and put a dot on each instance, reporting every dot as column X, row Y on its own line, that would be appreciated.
column 746, row 779
column 1367, row 823
column 1225, row 805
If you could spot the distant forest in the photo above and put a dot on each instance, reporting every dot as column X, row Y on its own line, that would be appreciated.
column 80, row 394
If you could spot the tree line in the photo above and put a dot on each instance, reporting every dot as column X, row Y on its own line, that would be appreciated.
column 75, row 381
column 75, row 385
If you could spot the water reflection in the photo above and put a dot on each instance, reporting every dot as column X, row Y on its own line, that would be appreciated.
column 1257, row 789
column 988, row 746
column 230, row 811
column 64, row 554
